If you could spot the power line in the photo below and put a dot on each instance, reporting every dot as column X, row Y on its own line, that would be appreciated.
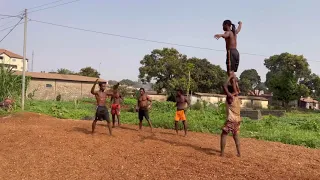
column 7, row 23
column 9, row 16
column 140, row 39
column 54, row 6
column 10, row 30
column 44, row 4
column 10, row 27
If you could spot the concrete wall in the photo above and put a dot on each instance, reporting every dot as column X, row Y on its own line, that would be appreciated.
column 13, row 61
column 49, row 89
column 246, row 102
column 158, row 97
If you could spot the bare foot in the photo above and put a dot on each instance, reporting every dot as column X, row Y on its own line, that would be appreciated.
column 222, row 154
column 238, row 155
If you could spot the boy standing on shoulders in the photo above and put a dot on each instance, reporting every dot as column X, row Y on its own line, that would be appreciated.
column 101, row 111
column 181, row 102
column 233, row 120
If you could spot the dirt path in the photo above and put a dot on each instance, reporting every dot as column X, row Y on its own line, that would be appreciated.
column 35, row 146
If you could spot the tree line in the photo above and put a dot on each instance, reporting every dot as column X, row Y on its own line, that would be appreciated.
column 289, row 76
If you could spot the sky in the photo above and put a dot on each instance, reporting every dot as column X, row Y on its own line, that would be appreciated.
column 269, row 28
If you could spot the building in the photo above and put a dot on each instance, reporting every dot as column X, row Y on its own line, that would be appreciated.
column 308, row 103
column 10, row 59
column 254, row 102
column 48, row 86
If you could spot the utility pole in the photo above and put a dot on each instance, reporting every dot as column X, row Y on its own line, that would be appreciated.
column 32, row 61
column 24, row 60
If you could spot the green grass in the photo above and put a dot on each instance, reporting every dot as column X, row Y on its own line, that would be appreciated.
column 294, row 128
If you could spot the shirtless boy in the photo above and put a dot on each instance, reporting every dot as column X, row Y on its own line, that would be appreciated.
column 143, row 108
column 116, row 99
column 102, row 111
column 233, row 57
column 233, row 120
column 181, row 102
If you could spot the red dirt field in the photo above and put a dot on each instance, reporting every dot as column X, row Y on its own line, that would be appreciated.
column 34, row 146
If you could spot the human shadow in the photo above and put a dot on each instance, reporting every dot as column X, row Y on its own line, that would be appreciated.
column 128, row 128
column 166, row 133
column 209, row 151
column 83, row 130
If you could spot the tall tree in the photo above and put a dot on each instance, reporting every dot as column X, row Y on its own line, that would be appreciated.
column 207, row 78
column 90, row 72
column 313, row 84
column 127, row 82
column 167, row 67
column 285, row 72
column 249, row 82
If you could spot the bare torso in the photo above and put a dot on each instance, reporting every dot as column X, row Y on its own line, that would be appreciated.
column 143, row 102
column 116, row 98
column 181, row 102
column 231, row 41
column 101, row 98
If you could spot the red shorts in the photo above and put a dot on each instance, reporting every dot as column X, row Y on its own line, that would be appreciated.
column 115, row 109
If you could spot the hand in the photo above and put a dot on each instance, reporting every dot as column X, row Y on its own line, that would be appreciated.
column 239, row 22
column 149, row 107
column 97, row 80
column 217, row 36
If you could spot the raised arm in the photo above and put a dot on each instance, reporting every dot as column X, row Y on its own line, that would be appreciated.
column 239, row 27
column 225, row 35
column 94, row 87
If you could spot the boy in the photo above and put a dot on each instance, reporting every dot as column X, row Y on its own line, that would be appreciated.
column 143, row 108
column 102, row 111
column 180, row 113
column 233, row 120
column 115, row 107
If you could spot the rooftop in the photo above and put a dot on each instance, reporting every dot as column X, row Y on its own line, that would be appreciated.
column 10, row 54
column 65, row 77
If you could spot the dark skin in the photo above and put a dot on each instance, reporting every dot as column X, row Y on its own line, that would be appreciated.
column 225, row 134
column 116, row 99
column 143, row 104
column 180, row 104
column 231, row 43
column 101, row 97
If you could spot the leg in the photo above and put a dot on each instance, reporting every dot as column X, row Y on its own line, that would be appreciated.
column 237, row 142
column 185, row 126
column 176, row 126
column 113, row 120
column 118, row 117
column 223, row 141
column 109, row 127
column 94, row 125
column 140, row 116
column 146, row 115
column 150, row 124
column 140, row 124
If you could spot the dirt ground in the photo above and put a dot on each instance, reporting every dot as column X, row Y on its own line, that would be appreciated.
column 34, row 146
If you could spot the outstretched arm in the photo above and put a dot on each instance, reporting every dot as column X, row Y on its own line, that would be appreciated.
column 225, row 35
column 239, row 27
column 94, row 87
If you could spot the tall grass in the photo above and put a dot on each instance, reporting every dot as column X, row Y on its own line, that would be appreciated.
column 294, row 128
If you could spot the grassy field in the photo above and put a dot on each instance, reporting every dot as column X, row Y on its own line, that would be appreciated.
column 294, row 128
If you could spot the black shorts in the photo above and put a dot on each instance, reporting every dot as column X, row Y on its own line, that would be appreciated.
column 102, row 113
column 143, row 113
column 233, row 59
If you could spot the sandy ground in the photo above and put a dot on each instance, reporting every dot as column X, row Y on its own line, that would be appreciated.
column 34, row 146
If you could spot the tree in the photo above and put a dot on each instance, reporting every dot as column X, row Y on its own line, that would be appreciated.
column 249, row 81
column 207, row 78
column 127, row 82
column 64, row 71
column 112, row 82
column 313, row 84
column 167, row 67
column 284, row 76
column 90, row 72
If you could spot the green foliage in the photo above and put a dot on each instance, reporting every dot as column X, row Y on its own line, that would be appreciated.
column 64, row 71
column 170, row 69
column 90, row 72
column 285, row 72
column 250, row 81
column 58, row 98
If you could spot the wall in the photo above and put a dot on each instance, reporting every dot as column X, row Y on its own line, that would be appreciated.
column 158, row 97
column 50, row 89
column 14, row 61
column 246, row 102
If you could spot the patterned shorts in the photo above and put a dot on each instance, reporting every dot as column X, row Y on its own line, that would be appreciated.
column 233, row 127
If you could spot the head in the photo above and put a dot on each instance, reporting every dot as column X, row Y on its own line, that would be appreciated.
column 102, row 86
column 227, row 26
column 142, row 91
column 179, row 92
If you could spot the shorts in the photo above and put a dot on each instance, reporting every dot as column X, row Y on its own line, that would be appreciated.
column 233, row 59
column 115, row 109
column 102, row 113
column 180, row 116
column 231, row 126
column 143, row 113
